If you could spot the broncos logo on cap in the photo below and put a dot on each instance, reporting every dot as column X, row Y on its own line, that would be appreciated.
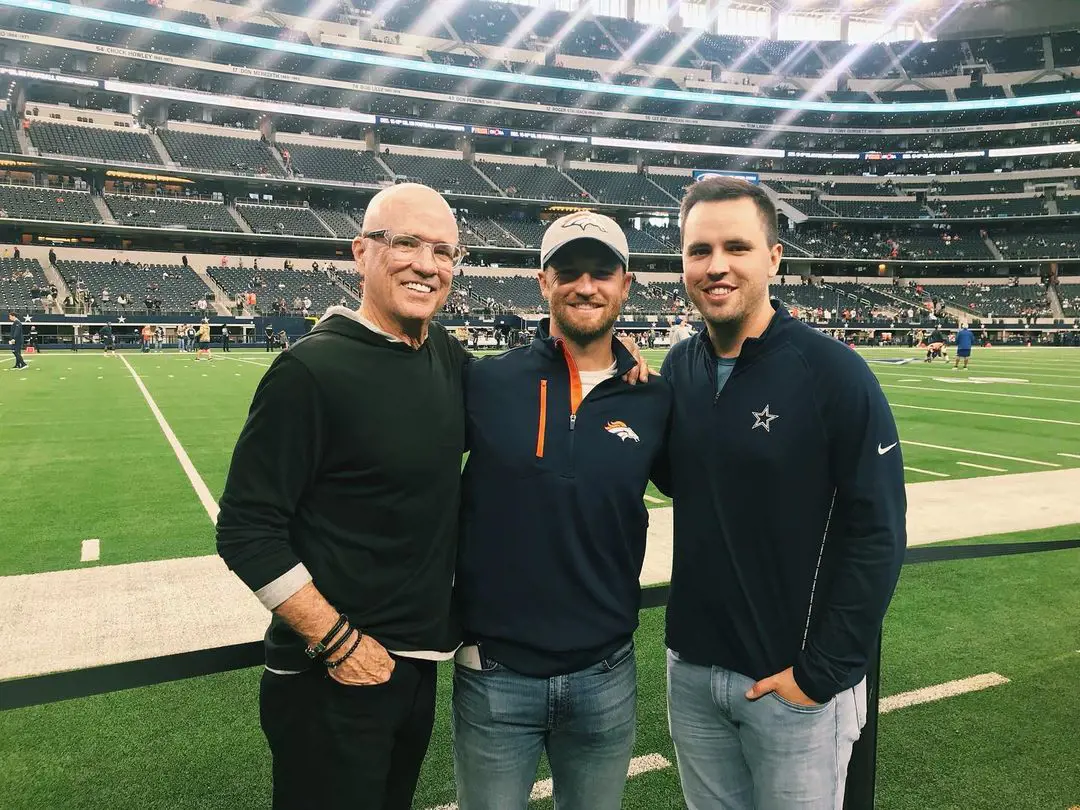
column 622, row 430
column 585, row 220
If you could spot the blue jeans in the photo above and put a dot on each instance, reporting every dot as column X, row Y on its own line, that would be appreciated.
column 767, row 754
column 585, row 721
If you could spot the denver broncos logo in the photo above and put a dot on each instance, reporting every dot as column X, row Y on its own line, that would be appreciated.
column 585, row 220
column 622, row 430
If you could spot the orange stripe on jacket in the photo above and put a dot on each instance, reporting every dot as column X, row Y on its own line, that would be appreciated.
column 575, row 378
column 542, row 427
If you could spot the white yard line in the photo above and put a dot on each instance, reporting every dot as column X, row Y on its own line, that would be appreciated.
column 929, row 694
column 1025, row 384
column 979, row 453
column 91, row 550
column 928, row 472
column 208, row 502
column 241, row 360
column 973, row 392
column 981, row 466
column 652, row 499
column 544, row 788
column 982, row 413
column 1069, row 455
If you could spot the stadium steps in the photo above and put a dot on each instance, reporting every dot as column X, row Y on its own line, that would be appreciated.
column 322, row 222
column 792, row 246
column 487, row 180
column 240, row 221
column 1052, row 208
column 576, row 184
column 348, row 291
column 784, row 206
column 1055, row 301
column 992, row 248
column 106, row 215
column 220, row 296
column 662, row 190
column 54, row 276
column 382, row 164
column 23, row 140
column 1048, row 53
column 508, row 234
column 159, row 147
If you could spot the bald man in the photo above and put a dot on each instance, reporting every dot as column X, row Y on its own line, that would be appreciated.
column 341, row 513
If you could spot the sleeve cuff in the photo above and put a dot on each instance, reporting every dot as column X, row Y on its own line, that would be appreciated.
column 812, row 690
column 274, row 593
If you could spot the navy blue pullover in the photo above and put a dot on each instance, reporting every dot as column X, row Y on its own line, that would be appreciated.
column 789, row 501
column 552, row 521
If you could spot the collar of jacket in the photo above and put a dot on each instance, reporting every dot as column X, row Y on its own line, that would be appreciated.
column 754, row 347
column 551, row 348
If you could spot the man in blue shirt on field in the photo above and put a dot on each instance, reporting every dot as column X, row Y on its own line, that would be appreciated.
column 965, row 339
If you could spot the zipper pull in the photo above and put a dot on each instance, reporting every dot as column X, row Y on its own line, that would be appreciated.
column 716, row 398
column 573, row 418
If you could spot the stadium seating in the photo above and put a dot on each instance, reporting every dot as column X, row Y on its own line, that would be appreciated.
column 901, row 209
column 528, row 231
column 282, row 219
column 43, row 203
column 443, row 174
column 119, row 145
column 341, row 223
column 488, row 23
column 485, row 231
column 1041, row 243
column 274, row 286
column 674, row 184
column 507, row 292
column 8, row 142
column 328, row 163
column 532, row 182
column 627, row 188
column 883, row 189
column 219, row 153
column 17, row 278
column 177, row 287
column 170, row 212
column 1001, row 207
column 1069, row 205
column 1069, row 296
column 944, row 187
column 994, row 299
column 644, row 242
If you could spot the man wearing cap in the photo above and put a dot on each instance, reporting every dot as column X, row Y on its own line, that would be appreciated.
column 552, row 540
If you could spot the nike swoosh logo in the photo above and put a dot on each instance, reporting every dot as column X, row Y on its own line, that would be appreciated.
column 883, row 450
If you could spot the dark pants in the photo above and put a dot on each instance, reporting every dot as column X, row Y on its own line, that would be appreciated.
column 337, row 746
column 225, row 346
column 269, row 344
column 19, row 362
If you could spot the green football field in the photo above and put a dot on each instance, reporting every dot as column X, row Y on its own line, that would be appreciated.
column 83, row 455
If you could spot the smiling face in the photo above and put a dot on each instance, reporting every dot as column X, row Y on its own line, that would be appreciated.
column 585, row 285
column 402, row 295
column 727, row 262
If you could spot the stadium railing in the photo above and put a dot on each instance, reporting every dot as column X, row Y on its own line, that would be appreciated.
column 862, row 770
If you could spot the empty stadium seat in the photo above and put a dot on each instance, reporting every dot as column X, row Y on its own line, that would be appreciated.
column 282, row 219
column 532, row 182
column 44, row 203
column 627, row 188
column 118, row 144
column 272, row 286
column 177, row 287
column 331, row 163
column 442, row 174
column 170, row 212
column 18, row 277
column 219, row 153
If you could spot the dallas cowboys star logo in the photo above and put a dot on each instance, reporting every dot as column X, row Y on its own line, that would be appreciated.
column 121, row 319
column 763, row 418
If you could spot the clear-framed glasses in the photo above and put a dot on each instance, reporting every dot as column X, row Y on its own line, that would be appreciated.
column 407, row 247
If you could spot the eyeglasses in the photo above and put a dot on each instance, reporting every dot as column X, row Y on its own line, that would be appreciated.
column 407, row 247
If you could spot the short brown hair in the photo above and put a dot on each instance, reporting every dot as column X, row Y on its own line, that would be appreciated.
column 720, row 189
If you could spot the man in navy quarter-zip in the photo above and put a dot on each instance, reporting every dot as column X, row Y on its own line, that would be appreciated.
column 789, row 523
column 552, row 540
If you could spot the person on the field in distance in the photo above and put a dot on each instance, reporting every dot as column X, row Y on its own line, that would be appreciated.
column 553, row 538
column 789, row 514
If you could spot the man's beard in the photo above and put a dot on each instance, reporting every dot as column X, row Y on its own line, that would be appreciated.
column 583, row 337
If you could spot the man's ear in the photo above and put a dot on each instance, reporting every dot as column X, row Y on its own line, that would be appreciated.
column 359, row 247
column 545, row 288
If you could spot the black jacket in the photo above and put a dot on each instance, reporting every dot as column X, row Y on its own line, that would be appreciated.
column 17, row 335
column 789, row 508
column 350, row 464
column 553, row 522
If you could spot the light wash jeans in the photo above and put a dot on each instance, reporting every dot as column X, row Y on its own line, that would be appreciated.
column 585, row 721
column 766, row 754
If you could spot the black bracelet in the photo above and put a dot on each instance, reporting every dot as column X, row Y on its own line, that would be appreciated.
column 339, row 643
column 352, row 649
column 315, row 650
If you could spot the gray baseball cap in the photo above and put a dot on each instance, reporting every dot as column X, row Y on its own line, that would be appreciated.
column 585, row 225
